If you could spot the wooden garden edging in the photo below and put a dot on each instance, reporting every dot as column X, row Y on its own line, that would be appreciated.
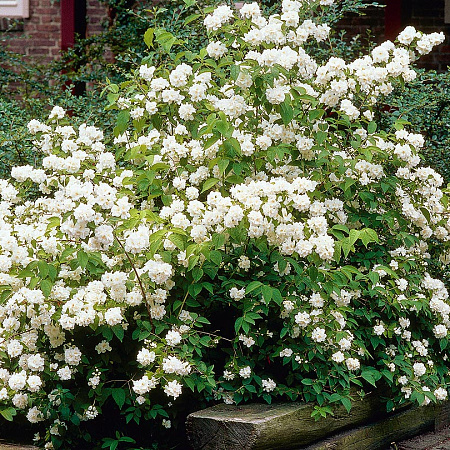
column 290, row 426
column 7, row 446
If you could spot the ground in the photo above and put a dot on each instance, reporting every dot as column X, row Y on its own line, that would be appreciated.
column 438, row 440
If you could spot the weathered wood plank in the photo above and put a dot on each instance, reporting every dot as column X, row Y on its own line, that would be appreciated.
column 8, row 446
column 381, row 434
column 264, row 427
column 290, row 426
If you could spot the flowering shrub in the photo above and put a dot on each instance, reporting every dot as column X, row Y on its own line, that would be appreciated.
column 253, row 236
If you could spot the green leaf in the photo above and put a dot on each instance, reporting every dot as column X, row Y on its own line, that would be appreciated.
column 315, row 114
column 286, row 111
column 122, row 122
column 368, row 375
column 277, row 297
column 46, row 287
column 119, row 332
column 252, row 286
column 369, row 235
column 118, row 395
column 208, row 184
column 234, row 72
column 337, row 251
column 53, row 222
column 347, row 403
column 178, row 240
column 224, row 128
column 191, row 18
column 372, row 127
column 43, row 269
column 223, row 164
column 165, row 39
column 82, row 258
column 218, row 240
column 148, row 37
column 266, row 293
column 238, row 324
column 189, row 3
column 197, row 273
column 216, row 257
column 8, row 413
column 346, row 246
column 353, row 236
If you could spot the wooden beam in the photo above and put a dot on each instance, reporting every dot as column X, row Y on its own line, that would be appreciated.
column 278, row 426
column 290, row 426
column 8, row 446
column 447, row 11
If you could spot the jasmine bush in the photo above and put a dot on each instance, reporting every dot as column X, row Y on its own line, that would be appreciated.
column 250, row 234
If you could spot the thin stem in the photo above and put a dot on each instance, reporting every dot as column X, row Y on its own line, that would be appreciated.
column 139, row 281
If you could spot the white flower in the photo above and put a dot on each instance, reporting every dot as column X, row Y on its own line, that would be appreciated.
column 221, row 15
column 237, row 294
column 173, row 389
column 408, row 35
column 144, row 385
column 103, row 347
column 440, row 331
column 17, row 381
column 34, row 415
column 166, row 423
column 419, row 369
column 318, row 335
column 65, row 373
column 173, row 338
column 113, row 316
column 245, row 372
column 440, row 394
column 57, row 113
column 338, row 357
column 34, row 383
column 72, row 356
column 146, row 72
column 352, row 364
column 216, row 49
column 268, row 385
column 36, row 363
column 286, row 353
column 145, row 357
column 302, row 319
column 14, row 348
column 172, row 364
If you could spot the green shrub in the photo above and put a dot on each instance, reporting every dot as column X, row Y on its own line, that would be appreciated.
column 250, row 232
column 425, row 104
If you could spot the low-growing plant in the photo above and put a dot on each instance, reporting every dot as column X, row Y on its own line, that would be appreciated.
column 250, row 234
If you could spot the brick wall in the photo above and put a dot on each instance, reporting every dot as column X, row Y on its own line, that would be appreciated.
column 372, row 22
column 424, row 15
column 428, row 16
column 97, row 14
column 39, row 36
